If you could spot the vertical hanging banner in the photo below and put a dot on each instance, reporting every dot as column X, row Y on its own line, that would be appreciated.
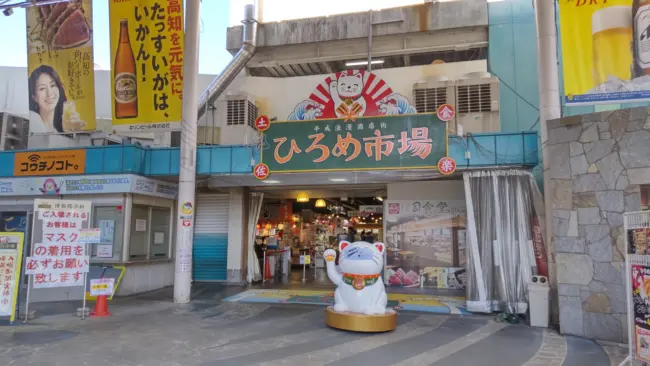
column 61, row 68
column 59, row 257
column 147, row 64
column 605, row 51
column 11, row 259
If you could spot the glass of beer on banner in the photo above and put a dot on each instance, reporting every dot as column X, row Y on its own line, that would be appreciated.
column 611, row 29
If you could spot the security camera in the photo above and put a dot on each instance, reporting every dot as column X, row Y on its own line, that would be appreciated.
column 8, row 11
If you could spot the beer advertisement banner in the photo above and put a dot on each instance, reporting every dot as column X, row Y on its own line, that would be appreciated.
column 605, row 51
column 416, row 141
column 147, row 64
column 60, row 65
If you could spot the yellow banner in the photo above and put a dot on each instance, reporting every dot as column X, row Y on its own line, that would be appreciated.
column 604, row 51
column 61, row 68
column 147, row 64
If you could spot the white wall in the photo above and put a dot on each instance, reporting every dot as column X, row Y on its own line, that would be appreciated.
column 441, row 190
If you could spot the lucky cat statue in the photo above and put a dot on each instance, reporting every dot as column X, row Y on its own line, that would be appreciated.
column 346, row 93
column 360, row 288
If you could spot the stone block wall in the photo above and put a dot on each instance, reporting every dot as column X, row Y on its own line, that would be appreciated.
column 597, row 162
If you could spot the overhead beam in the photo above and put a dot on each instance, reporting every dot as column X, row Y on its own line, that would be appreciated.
column 383, row 46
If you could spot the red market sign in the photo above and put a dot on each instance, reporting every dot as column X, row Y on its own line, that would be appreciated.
column 446, row 112
column 446, row 165
column 187, row 223
column 261, row 171
column 262, row 123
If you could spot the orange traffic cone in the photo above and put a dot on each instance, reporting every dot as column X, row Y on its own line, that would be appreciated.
column 267, row 269
column 101, row 307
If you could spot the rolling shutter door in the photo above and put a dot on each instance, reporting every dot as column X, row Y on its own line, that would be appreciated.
column 210, row 248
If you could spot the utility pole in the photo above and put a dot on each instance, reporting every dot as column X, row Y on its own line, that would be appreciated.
column 187, row 179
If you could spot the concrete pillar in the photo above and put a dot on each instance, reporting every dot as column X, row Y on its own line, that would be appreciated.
column 549, row 109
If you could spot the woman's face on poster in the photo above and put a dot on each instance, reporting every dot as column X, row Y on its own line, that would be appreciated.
column 46, row 94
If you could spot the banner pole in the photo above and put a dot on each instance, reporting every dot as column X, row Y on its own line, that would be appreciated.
column 83, row 304
column 31, row 253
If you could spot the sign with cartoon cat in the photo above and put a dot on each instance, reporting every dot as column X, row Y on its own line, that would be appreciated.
column 360, row 288
column 351, row 93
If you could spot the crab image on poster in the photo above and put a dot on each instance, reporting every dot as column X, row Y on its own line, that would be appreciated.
column 351, row 93
column 360, row 298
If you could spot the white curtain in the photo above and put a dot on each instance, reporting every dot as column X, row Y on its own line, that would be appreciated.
column 501, row 207
column 254, row 209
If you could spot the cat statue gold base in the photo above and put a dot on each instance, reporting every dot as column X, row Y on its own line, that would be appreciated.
column 360, row 297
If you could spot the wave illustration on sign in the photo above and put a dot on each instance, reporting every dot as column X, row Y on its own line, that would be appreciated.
column 349, row 94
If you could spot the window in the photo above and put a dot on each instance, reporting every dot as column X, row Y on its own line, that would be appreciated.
column 109, row 220
column 159, row 242
column 139, row 233
column 150, row 233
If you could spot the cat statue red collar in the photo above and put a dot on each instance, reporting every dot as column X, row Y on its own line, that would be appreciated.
column 360, row 288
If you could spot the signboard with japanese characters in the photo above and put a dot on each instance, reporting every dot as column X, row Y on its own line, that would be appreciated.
column 55, row 162
column 11, row 259
column 59, row 257
column 368, row 143
column 75, row 184
column 102, row 287
column 147, row 64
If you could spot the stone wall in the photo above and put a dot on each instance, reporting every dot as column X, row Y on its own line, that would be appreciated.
column 597, row 162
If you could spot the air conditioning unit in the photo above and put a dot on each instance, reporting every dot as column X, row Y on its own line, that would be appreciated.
column 434, row 92
column 477, row 103
column 236, row 115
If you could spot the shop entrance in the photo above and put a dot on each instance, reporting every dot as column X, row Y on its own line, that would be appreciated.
column 295, row 226
column 424, row 245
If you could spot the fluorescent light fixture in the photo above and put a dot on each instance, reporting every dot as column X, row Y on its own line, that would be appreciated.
column 271, row 181
column 361, row 63
column 338, row 180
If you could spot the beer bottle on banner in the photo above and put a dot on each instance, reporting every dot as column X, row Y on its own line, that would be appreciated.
column 126, row 86
column 641, row 47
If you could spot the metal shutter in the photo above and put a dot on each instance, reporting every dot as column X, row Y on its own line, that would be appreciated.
column 210, row 248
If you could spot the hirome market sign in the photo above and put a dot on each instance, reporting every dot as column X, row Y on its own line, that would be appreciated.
column 362, row 143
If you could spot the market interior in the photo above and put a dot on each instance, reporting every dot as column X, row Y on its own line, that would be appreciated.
column 295, row 226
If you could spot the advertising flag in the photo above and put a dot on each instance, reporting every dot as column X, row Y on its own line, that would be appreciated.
column 146, row 64
column 605, row 51
column 61, row 69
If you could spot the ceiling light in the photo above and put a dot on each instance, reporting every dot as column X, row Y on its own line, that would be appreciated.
column 302, row 197
column 271, row 181
column 380, row 199
column 338, row 180
column 320, row 203
column 361, row 63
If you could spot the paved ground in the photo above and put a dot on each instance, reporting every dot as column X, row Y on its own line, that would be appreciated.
column 151, row 330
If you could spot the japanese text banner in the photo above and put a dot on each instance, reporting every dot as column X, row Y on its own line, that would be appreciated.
column 147, row 64
column 61, row 69
column 369, row 143
column 605, row 51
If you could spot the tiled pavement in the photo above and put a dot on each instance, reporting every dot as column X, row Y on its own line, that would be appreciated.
column 150, row 330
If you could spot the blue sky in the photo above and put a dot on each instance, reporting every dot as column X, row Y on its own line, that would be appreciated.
column 215, row 15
